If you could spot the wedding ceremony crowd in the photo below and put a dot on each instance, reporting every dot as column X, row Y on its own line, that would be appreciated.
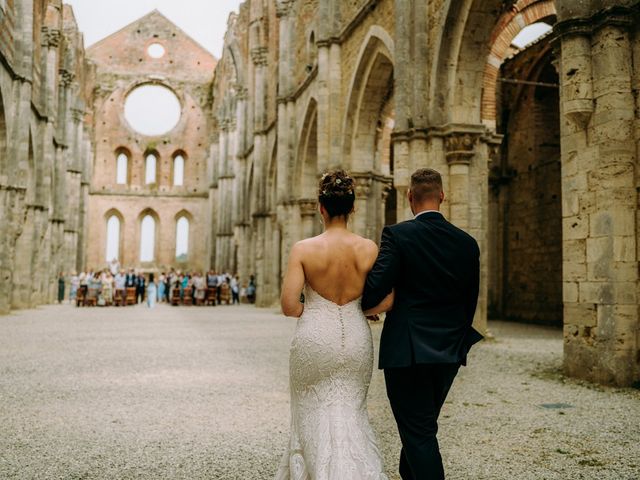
column 114, row 286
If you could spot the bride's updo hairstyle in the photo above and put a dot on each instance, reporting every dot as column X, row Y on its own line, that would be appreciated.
column 336, row 193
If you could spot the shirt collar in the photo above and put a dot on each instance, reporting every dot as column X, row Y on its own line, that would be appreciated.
column 425, row 211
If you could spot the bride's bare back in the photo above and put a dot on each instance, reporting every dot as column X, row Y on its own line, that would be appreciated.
column 334, row 264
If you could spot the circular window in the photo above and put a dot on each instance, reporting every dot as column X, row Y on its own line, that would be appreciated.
column 155, row 50
column 152, row 110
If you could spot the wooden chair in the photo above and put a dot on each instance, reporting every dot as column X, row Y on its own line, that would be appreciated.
column 131, row 296
column 225, row 293
column 119, row 297
column 188, row 299
column 175, row 296
column 91, row 299
column 201, row 295
column 210, row 299
column 80, row 296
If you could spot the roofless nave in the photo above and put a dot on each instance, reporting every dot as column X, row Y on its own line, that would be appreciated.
column 538, row 148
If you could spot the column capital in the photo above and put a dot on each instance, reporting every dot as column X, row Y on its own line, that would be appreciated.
column 259, row 56
column 308, row 207
column 66, row 77
column 283, row 7
column 364, row 182
column 619, row 16
column 460, row 147
column 50, row 37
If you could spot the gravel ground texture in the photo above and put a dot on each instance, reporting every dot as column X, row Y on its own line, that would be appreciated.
column 202, row 393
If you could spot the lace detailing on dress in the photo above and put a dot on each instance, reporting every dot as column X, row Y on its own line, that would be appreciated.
column 331, row 363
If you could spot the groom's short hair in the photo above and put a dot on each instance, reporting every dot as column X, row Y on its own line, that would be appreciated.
column 426, row 184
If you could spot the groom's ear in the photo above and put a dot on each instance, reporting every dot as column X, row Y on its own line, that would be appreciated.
column 441, row 196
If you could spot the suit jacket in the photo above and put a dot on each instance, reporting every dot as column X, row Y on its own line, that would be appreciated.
column 434, row 268
column 131, row 280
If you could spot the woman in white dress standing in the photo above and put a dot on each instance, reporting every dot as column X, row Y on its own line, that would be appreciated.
column 331, row 357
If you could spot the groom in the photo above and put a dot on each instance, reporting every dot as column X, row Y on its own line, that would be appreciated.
column 434, row 268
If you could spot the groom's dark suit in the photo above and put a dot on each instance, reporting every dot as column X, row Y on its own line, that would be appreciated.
column 434, row 268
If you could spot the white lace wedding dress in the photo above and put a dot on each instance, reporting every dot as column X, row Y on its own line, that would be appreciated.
column 330, row 368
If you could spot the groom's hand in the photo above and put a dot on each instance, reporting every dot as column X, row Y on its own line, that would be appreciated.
column 373, row 318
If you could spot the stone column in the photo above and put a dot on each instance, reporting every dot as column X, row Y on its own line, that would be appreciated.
column 600, row 202
column 459, row 149
column 308, row 217
column 363, row 193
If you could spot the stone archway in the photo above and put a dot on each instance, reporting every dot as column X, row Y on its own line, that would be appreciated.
column 368, row 124
column 525, row 208
column 26, row 235
column 475, row 40
column 305, row 179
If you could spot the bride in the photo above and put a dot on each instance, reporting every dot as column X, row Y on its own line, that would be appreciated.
column 331, row 356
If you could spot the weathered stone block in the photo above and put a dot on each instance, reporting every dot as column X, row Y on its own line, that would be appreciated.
column 619, row 221
column 600, row 249
column 575, row 227
column 624, row 249
column 596, row 292
column 580, row 314
column 574, row 251
column 574, row 272
column 570, row 292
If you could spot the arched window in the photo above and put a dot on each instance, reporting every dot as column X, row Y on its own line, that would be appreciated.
column 122, row 169
column 150, row 169
column 182, row 239
column 147, row 239
column 113, row 238
column 178, row 170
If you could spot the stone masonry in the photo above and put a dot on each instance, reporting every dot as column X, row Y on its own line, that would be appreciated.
column 123, row 63
column 541, row 171
column 45, row 149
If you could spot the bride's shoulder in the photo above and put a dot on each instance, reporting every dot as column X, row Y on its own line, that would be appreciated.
column 367, row 247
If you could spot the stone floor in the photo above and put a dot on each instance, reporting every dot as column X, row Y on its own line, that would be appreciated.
column 201, row 393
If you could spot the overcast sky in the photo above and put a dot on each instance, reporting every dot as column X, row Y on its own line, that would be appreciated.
column 204, row 20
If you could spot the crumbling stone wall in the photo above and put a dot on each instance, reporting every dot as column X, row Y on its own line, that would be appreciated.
column 526, row 186
column 122, row 64
column 44, row 149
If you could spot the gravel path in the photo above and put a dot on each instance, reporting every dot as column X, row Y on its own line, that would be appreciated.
column 201, row 393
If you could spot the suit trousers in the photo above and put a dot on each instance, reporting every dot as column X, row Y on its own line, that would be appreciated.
column 416, row 395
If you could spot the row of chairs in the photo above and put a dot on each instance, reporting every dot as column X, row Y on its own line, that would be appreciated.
column 210, row 296
column 89, row 297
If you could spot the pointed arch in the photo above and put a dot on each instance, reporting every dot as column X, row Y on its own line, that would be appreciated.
column 123, row 166
column 272, row 179
column 178, row 166
column 183, row 220
column 305, row 175
column 151, row 162
column 4, row 142
column 474, row 40
column 114, row 228
column 149, row 226
column 371, row 88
